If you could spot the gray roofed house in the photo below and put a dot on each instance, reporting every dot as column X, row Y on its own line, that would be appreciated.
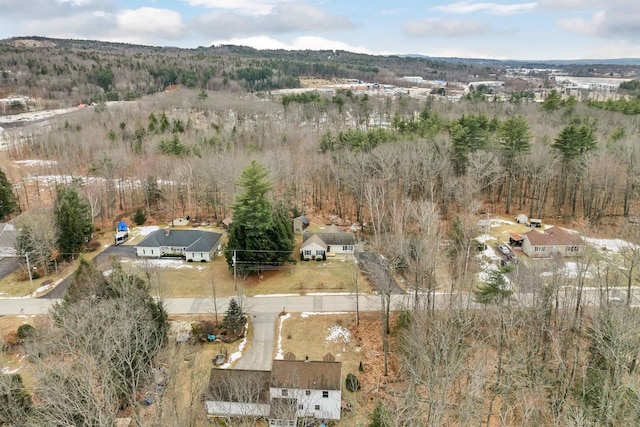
column 335, row 241
column 193, row 245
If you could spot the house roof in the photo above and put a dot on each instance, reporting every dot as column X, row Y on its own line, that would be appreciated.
column 313, row 239
column 553, row 236
column 304, row 220
column 238, row 385
column 516, row 236
column 309, row 375
column 340, row 238
column 192, row 240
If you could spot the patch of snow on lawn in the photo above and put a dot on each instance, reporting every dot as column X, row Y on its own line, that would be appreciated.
column 312, row 313
column 496, row 222
column 144, row 231
column 7, row 371
column 489, row 253
column 280, row 356
column 338, row 333
column 610, row 245
column 484, row 238
column 162, row 263
column 35, row 162
column 275, row 295
column 571, row 270
column 486, row 268
column 235, row 356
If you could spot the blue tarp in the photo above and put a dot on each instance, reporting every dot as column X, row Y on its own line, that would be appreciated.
column 122, row 226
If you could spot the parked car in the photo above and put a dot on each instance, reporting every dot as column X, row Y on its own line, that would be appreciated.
column 505, row 249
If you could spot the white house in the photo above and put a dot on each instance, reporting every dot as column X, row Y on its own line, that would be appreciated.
column 292, row 390
column 553, row 240
column 332, row 239
column 192, row 245
column 313, row 248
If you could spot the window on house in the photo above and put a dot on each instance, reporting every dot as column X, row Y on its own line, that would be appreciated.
column 317, row 407
column 144, row 252
column 347, row 248
column 201, row 255
column 572, row 249
column 301, row 407
column 319, row 252
column 325, row 394
column 285, row 392
column 307, row 392
column 307, row 251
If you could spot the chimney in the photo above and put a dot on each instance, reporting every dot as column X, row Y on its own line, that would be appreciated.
column 167, row 231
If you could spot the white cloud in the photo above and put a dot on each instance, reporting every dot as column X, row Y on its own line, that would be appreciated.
column 433, row 27
column 251, row 7
column 623, row 24
column 285, row 17
column 299, row 43
column 582, row 4
column 492, row 8
column 148, row 21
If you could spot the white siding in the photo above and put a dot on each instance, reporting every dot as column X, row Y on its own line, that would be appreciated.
column 329, row 407
column 236, row 409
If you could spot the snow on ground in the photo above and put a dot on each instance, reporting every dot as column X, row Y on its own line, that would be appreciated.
column 610, row 245
column 144, row 231
column 338, row 333
column 275, row 295
column 571, row 270
column 7, row 371
column 42, row 289
column 162, row 263
column 496, row 222
column 235, row 356
column 485, row 238
column 312, row 313
column 280, row 356
column 35, row 162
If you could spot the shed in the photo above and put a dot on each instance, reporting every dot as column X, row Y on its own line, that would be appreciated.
column 522, row 219
column 300, row 224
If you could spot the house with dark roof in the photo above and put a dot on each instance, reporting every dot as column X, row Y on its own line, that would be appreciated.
column 332, row 239
column 552, row 241
column 292, row 390
column 192, row 245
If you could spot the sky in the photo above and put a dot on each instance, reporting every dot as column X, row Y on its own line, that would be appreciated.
column 501, row 29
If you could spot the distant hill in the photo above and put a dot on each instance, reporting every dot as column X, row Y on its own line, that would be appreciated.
column 529, row 63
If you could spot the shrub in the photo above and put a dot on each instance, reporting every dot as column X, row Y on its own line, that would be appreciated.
column 139, row 217
column 25, row 331
column 352, row 383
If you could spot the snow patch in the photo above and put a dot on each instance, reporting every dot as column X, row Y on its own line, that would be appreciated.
column 610, row 245
column 280, row 356
column 7, row 371
column 312, row 313
column 571, row 270
column 35, row 162
column 485, row 238
column 275, row 295
column 162, row 263
column 235, row 356
column 42, row 289
column 144, row 231
column 338, row 333
column 496, row 222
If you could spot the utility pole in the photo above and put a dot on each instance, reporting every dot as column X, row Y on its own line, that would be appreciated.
column 235, row 270
column 26, row 255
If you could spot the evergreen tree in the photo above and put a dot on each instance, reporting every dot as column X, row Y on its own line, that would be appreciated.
column 15, row 400
column 515, row 139
column 260, row 234
column 234, row 319
column 74, row 226
column 8, row 201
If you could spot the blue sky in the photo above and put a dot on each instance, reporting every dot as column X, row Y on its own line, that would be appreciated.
column 502, row 29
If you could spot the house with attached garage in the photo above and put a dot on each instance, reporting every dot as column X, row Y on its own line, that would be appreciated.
column 192, row 245
column 332, row 239
column 552, row 241
column 293, row 390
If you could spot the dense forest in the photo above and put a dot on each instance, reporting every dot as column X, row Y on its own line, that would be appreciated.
column 416, row 174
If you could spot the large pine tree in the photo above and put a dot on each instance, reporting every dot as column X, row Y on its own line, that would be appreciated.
column 73, row 221
column 8, row 203
column 260, row 234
